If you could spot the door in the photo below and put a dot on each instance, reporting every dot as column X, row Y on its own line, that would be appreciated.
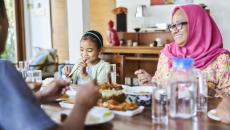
column 60, row 28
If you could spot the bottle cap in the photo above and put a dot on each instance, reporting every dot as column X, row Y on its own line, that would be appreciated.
column 183, row 63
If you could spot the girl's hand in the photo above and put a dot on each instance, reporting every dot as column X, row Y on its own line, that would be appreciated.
column 82, row 68
column 66, row 70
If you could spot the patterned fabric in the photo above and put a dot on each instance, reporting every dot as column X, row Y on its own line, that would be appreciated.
column 217, row 74
column 45, row 60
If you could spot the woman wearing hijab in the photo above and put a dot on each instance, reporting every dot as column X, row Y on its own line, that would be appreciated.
column 196, row 36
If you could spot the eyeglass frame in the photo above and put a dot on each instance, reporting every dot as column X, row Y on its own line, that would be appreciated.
column 178, row 26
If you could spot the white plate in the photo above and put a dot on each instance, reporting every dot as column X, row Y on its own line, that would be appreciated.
column 121, row 113
column 130, row 112
column 212, row 115
column 64, row 104
column 95, row 116
column 71, row 93
column 98, row 115
column 138, row 90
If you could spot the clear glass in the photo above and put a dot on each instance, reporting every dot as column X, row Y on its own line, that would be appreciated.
column 183, row 93
column 128, row 81
column 160, row 106
column 23, row 67
column 113, row 74
column 34, row 76
column 135, row 82
column 202, row 92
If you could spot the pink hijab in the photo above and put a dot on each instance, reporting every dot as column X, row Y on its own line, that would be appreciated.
column 204, row 43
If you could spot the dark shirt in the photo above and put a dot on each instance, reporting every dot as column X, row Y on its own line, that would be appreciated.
column 19, row 110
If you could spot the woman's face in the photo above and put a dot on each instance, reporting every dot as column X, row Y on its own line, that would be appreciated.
column 179, row 28
column 89, row 51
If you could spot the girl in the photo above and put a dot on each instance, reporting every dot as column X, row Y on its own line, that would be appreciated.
column 90, row 66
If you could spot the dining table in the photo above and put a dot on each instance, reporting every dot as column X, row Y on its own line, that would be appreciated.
column 143, row 121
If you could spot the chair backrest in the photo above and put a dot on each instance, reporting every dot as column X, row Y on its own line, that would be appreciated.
column 119, row 60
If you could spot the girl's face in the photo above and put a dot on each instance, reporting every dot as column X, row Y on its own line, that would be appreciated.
column 89, row 51
column 179, row 28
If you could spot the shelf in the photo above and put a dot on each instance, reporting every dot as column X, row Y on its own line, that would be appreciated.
column 132, row 50
column 141, row 59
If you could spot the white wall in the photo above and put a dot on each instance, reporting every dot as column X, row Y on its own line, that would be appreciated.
column 161, row 14
column 78, row 23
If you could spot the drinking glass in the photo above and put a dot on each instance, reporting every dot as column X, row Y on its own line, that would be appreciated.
column 160, row 105
column 111, row 73
column 34, row 79
column 34, row 76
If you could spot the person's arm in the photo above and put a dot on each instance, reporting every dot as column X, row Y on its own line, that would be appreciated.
column 83, row 104
column 223, row 75
column 52, row 91
column 162, row 72
column 18, row 103
column 223, row 110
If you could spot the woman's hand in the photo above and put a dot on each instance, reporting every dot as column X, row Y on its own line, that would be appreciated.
column 66, row 70
column 144, row 78
column 52, row 91
column 223, row 110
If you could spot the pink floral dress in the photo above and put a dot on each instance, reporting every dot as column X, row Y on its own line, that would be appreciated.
column 217, row 74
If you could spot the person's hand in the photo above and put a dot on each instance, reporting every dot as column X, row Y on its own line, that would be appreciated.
column 223, row 110
column 87, row 95
column 53, row 91
column 66, row 70
column 82, row 68
column 144, row 78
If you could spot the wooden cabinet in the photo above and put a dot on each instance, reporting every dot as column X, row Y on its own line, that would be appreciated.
column 145, row 38
column 141, row 56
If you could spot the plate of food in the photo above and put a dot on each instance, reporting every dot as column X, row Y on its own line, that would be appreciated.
column 213, row 115
column 69, row 104
column 95, row 116
column 138, row 90
column 121, row 108
column 98, row 115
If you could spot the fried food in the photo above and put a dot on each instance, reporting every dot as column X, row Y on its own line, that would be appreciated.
column 113, row 98
column 113, row 105
column 107, row 86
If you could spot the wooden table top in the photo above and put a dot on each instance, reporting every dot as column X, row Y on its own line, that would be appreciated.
column 143, row 121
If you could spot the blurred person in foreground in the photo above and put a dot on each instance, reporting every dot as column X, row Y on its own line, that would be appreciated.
column 20, row 109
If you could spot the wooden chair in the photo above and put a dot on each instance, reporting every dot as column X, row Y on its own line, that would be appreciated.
column 119, row 60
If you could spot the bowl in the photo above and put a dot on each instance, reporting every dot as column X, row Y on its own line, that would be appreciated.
column 137, row 29
column 142, row 95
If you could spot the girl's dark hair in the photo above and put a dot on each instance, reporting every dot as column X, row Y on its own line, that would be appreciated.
column 95, row 37
column 3, row 16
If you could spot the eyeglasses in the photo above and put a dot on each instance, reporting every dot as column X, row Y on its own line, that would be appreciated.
column 177, row 26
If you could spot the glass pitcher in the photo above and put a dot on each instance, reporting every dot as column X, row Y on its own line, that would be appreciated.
column 183, row 89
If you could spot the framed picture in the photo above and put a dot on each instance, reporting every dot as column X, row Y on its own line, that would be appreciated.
column 163, row 2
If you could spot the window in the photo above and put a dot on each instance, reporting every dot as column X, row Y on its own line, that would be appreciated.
column 10, row 51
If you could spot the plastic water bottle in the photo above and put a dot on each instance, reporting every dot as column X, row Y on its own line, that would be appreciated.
column 183, row 89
